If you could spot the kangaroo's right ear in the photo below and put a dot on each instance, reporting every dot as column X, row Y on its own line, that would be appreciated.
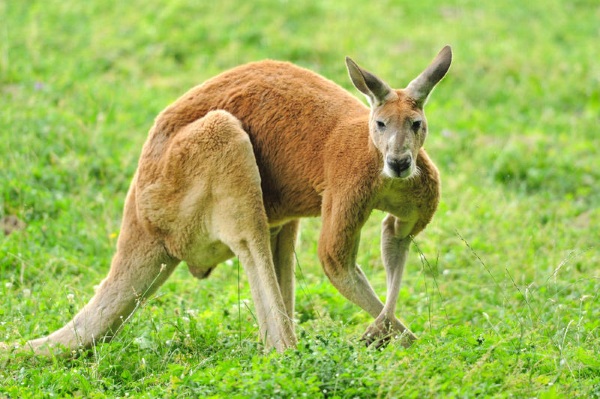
column 375, row 89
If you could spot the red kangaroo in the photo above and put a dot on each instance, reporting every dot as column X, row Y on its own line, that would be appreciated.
column 230, row 168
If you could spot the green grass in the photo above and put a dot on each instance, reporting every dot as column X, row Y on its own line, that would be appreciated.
column 503, row 289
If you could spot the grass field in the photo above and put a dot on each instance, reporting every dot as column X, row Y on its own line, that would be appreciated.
column 502, row 288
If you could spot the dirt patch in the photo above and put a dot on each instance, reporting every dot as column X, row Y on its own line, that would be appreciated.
column 10, row 223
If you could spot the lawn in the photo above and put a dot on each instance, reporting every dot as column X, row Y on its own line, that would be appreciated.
column 502, row 288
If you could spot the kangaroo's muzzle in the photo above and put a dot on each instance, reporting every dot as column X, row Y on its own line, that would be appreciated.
column 398, row 166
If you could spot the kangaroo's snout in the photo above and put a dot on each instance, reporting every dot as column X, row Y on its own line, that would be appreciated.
column 398, row 166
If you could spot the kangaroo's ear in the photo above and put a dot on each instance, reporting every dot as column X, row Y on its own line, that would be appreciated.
column 423, row 84
column 375, row 89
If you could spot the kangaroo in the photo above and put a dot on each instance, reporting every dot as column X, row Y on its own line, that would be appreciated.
column 229, row 169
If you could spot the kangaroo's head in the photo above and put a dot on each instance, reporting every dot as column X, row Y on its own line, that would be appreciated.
column 397, row 123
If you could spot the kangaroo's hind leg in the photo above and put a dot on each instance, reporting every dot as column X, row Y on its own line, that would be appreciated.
column 221, row 213
column 197, row 197
column 283, row 243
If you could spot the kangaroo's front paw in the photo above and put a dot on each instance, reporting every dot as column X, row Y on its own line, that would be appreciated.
column 383, row 329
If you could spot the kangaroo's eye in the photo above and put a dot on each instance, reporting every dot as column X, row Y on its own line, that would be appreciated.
column 380, row 125
column 416, row 126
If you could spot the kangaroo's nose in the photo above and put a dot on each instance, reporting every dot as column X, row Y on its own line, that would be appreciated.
column 398, row 165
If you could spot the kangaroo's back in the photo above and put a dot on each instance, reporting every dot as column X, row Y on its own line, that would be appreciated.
column 289, row 113
column 264, row 92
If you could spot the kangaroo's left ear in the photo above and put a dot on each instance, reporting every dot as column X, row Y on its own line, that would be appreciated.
column 423, row 84
column 375, row 89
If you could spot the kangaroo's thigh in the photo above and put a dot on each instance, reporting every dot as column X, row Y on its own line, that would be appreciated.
column 207, row 164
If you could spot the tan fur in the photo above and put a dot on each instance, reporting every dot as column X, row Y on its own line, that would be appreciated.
column 230, row 167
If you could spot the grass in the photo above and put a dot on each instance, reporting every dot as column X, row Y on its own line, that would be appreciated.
column 502, row 288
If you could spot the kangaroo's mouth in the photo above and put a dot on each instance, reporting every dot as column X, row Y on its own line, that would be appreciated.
column 399, row 167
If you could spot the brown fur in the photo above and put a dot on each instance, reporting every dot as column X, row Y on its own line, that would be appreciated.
column 230, row 167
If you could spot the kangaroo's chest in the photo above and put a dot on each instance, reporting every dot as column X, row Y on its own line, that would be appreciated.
column 400, row 202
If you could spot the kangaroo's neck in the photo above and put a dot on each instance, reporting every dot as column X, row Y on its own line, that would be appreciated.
column 412, row 200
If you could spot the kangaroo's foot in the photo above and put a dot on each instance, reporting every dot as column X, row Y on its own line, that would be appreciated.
column 383, row 329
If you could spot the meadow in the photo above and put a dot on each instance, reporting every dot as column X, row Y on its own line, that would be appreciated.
column 502, row 288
